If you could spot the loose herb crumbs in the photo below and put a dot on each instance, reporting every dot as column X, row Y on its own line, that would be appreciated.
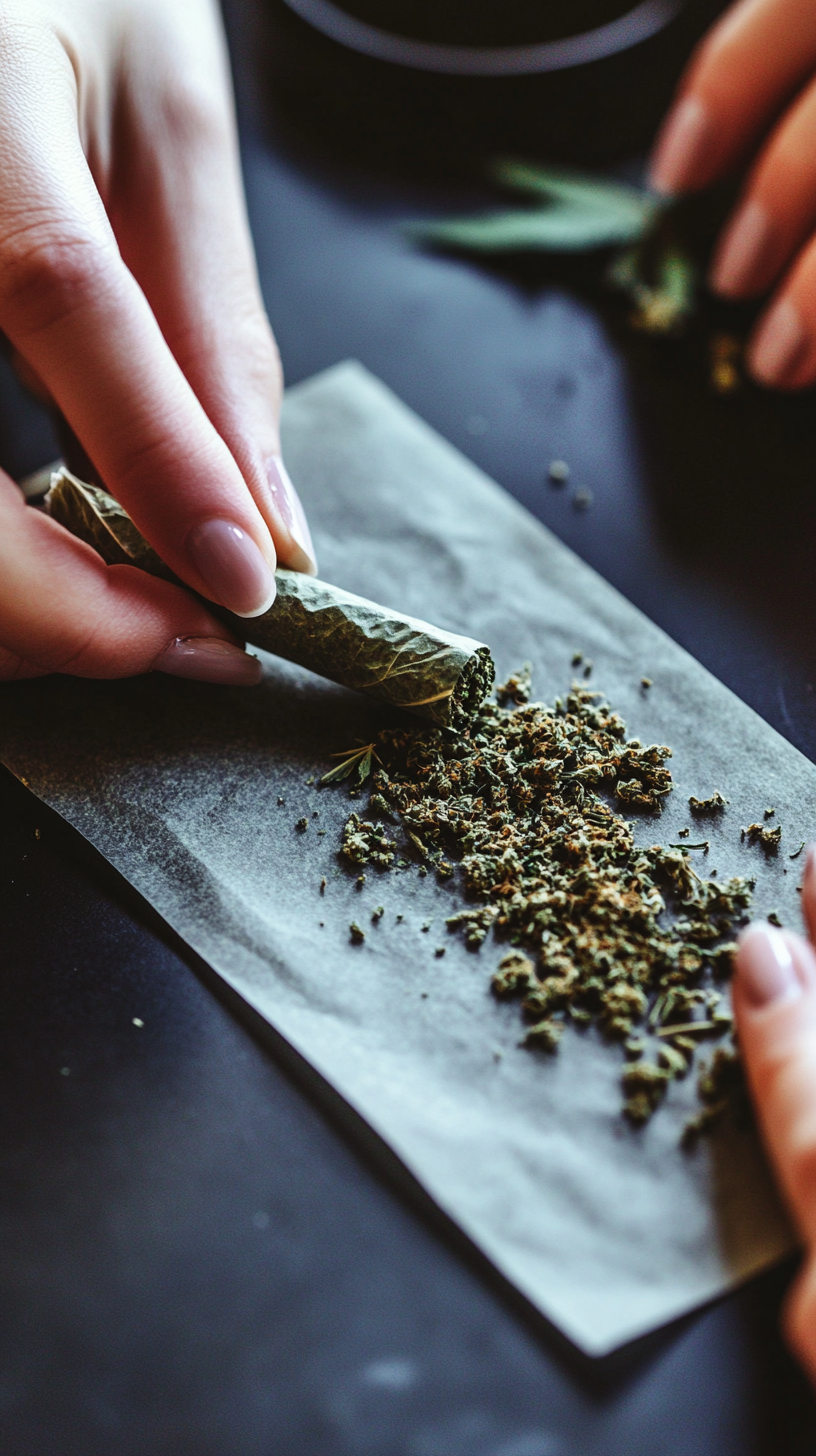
column 760, row 834
column 714, row 804
column 357, row 935
column 527, row 799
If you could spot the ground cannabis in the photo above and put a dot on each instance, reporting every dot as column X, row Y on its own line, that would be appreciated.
column 721, row 1088
column 725, row 355
column 529, row 801
column 714, row 804
column 768, row 839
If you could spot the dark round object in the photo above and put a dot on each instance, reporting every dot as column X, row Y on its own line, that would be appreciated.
column 463, row 25
column 585, row 81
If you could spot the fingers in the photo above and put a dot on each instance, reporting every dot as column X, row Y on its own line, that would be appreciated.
column 782, row 352
column 178, row 210
column 778, row 209
column 800, row 1317
column 63, row 610
column 75, row 313
column 776, row 217
column 775, row 1005
column 740, row 76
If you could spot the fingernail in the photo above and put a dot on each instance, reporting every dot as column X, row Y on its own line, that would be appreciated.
column 741, row 251
column 766, row 969
column 209, row 659
column 778, row 344
column 236, row 573
column 289, row 505
column 680, row 146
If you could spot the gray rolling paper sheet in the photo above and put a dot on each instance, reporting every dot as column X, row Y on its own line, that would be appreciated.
column 608, row 1230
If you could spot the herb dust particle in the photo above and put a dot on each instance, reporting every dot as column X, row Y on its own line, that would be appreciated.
column 603, row 931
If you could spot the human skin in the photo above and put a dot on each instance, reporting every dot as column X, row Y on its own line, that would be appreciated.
column 130, row 298
column 747, row 100
column 775, row 1005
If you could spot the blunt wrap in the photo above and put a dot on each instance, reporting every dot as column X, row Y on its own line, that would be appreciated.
column 400, row 660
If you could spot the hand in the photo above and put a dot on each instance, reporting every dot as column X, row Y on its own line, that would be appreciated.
column 775, row 1006
column 129, row 293
column 750, row 90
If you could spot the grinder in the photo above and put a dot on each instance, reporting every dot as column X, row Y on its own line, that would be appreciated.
column 574, row 80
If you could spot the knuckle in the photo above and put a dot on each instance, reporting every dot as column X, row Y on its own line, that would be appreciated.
column 192, row 114
column 46, row 275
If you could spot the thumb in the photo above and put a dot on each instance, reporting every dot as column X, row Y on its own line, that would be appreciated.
column 775, row 1005
column 63, row 610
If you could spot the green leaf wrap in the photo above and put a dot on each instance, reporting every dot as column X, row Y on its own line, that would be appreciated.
column 401, row 660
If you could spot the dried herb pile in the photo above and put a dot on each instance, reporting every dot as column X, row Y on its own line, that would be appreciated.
column 528, row 806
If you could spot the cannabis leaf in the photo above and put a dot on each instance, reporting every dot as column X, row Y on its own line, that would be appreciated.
column 360, row 759
column 580, row 213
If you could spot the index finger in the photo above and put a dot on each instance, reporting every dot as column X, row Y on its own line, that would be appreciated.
column 76, row 314
column 736, row 83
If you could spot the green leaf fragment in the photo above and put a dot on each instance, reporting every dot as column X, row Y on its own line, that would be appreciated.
column 662, row 287
column 581, row 214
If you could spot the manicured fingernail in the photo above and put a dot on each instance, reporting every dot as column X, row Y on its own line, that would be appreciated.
column 237, row 574
column 741, row 251
column 209, row 659
column 766, row 969
column 289, row 505
column 681, row 146
column 778, row 344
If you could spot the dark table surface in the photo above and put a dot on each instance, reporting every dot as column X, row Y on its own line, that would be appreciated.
column 195, row 1257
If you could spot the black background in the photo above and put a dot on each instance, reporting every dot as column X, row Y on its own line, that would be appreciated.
column 195, row 1255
